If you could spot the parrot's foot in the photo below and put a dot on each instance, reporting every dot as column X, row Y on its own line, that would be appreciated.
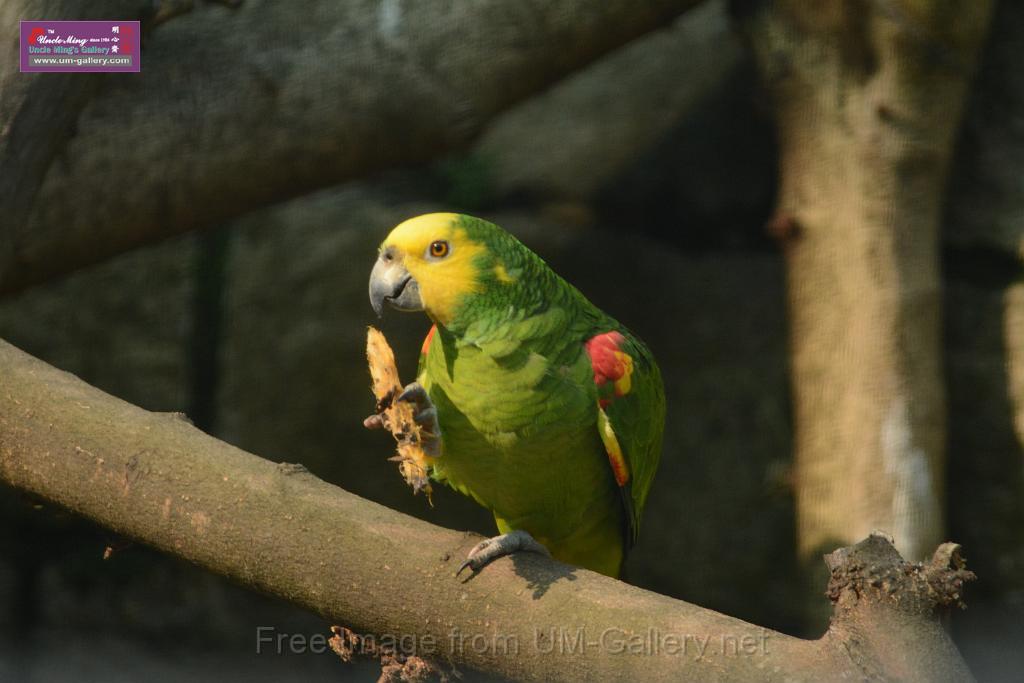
column 490, row 549
column 424, row 414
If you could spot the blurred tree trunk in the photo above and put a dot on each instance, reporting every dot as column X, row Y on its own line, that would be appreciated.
column 867, row 97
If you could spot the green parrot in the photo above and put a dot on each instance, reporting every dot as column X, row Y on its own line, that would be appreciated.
column 534, row 402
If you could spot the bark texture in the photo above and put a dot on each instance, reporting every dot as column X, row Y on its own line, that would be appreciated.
column 301, row 99
column 867, row 98
column 276, row 528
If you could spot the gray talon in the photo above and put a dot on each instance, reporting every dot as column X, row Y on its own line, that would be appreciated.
column 425, row 416
column 490, row 549
column 431, row 445
column 414, row 393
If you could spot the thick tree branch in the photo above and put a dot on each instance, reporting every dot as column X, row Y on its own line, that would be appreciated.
column 277, row 528
column 238, row 109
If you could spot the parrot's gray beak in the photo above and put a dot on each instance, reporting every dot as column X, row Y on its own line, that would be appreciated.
column 391, row 283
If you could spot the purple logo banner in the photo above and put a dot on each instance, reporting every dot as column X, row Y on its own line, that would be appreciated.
column 80, row 46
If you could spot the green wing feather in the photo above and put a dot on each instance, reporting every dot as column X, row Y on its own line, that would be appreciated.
column 637, row 418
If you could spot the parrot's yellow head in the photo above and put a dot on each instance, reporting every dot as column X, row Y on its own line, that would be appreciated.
column 434, row 262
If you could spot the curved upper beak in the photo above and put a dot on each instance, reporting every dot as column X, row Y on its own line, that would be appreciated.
column 391, row 283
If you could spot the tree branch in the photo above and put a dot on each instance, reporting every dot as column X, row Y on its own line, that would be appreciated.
column 238, row 109
column 278, row 529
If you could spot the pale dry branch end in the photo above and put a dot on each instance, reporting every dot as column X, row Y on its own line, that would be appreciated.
column 874, row 569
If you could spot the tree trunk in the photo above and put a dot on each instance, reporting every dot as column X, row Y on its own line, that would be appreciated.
column 276, row 528
column 867, row 98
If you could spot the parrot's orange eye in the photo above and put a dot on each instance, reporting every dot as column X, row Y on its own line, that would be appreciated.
column 438, row 249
